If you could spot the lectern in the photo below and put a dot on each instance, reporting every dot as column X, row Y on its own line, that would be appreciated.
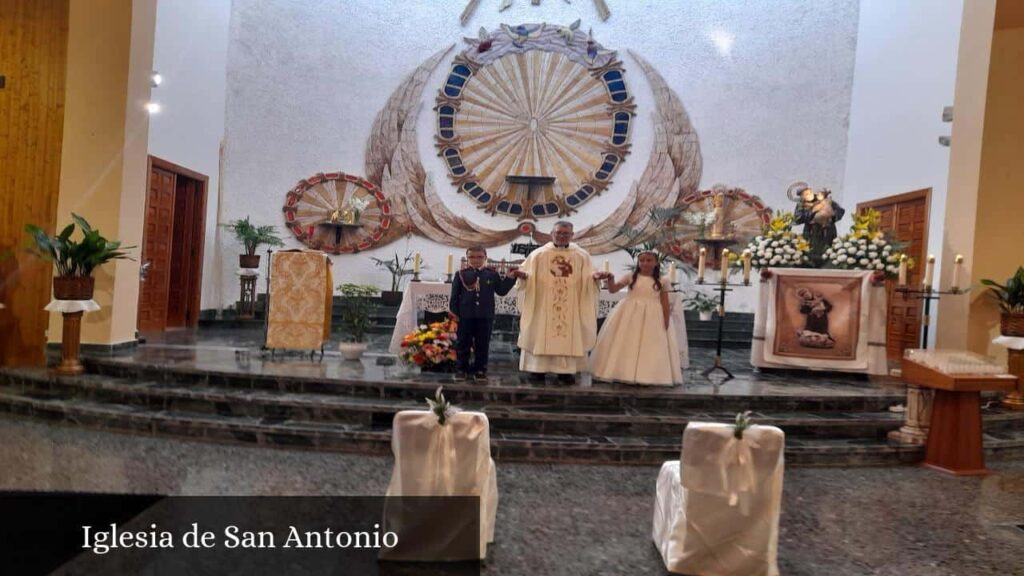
column 958, row 378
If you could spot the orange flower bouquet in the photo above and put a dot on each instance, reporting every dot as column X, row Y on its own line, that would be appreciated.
column 431, row 347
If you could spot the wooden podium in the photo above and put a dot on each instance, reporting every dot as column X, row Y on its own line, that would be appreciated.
column 954, row 439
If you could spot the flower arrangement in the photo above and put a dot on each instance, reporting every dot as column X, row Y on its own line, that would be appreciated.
column 865, row 247
column 777, row 245
column 430, row 345
column 700, row 219
column 441, row 407
column 358, row 205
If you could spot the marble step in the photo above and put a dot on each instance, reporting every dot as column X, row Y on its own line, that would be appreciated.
column 277, row 432
column 500, row 390
column 539, row 418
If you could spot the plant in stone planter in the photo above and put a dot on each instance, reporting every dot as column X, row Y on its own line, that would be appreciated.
column 399, row 268
column 702, row 304
column 75, row 261
column 251, row 237
column 1010, row 297
column 356, row 305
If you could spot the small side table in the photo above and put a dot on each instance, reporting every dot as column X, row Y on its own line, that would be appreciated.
column 71, row 336
column 1015, row 365
column 247, row 301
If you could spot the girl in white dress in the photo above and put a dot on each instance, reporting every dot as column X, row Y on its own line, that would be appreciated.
column 637, row 343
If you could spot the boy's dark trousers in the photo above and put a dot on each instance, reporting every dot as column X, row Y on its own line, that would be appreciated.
column 473, row 333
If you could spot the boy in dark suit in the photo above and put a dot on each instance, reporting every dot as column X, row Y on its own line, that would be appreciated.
column 472, row 305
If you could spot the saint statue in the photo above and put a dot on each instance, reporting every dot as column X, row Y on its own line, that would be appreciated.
column 818, row 212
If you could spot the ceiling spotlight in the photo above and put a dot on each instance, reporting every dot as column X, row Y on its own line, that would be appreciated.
column 152, row 107
column 155, row 79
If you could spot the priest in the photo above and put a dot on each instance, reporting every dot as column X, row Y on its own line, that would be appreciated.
column 557, row 293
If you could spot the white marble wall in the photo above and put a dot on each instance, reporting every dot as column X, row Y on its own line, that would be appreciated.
column 905, row 74
column 190, row 52
column 766, row 83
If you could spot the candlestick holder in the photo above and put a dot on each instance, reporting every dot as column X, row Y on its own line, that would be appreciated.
column 722, row 288
column 928, row 294
column 415, row 277
column 448, row 278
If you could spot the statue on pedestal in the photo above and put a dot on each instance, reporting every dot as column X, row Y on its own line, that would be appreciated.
column 818, row 212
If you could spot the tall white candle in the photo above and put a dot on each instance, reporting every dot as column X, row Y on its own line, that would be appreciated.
column 672, row 272
column 416, row 263
column 958, row 263
column 746, row 266
column 929, row 272
column 607, row 266
column 451, row 261
column 701, row 263
column 903, row 270
column 725, row 265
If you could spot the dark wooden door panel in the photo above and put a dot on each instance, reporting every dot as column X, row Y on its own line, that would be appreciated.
column 156, row 250
column 904, row 219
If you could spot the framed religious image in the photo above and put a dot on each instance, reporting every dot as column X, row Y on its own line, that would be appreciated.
column 817, row 317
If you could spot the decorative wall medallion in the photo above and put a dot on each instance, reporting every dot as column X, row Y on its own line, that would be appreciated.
column 533, row 120
column 743, row 216
column 673, row 171
column 337, row 213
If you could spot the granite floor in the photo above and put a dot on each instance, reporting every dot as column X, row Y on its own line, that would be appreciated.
column 904, row 521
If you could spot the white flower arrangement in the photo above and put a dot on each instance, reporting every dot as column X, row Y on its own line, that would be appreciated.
column 358, row 204
column 864, row 248
column 777, row 246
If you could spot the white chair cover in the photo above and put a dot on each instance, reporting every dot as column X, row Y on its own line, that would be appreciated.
column 450, row 460
column 720, row 517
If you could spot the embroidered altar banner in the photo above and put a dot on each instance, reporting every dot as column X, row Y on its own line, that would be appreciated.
column 301, row 295
column 817, row 317
column 820, row 320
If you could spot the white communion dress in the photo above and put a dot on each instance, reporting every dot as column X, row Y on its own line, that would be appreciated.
column 633, row 345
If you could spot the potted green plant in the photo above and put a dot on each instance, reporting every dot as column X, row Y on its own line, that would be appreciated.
column 356, row 305
column 1010, row 297
column 251, row 237
column 73, row 260
column 702, row 304
column 398, row 268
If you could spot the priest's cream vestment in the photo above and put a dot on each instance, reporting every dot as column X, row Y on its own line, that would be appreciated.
column 558, row 306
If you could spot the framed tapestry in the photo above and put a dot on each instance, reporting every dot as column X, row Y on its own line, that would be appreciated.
column 817, row 317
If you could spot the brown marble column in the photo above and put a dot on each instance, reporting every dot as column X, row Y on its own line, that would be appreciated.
column 72, row 334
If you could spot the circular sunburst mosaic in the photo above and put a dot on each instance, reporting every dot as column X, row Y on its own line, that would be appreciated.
column 337, row 213
column 533, row 128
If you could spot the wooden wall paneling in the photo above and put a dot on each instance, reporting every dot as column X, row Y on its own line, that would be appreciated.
column 33, row 59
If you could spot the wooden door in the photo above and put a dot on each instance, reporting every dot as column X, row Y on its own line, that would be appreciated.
column 156, row 250
column 905, row 219
column 180, row 282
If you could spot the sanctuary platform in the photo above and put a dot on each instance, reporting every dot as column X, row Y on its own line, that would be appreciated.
column 215, row 385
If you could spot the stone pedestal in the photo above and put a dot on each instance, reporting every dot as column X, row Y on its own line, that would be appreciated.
column 1015, row 365
column 917, row 417
column 70, row 344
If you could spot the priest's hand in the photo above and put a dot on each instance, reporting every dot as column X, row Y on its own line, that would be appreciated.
column 519, row 274
column 603, row 276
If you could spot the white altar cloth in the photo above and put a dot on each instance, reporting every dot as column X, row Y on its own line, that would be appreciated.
column 871, row 337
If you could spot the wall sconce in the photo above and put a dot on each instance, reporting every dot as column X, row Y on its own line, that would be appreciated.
column 152, row 107
column 155, row 79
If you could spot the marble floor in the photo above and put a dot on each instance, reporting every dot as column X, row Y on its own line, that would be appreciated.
column 904, row 521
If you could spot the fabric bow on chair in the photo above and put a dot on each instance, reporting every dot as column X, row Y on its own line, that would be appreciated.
column 718, row 513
